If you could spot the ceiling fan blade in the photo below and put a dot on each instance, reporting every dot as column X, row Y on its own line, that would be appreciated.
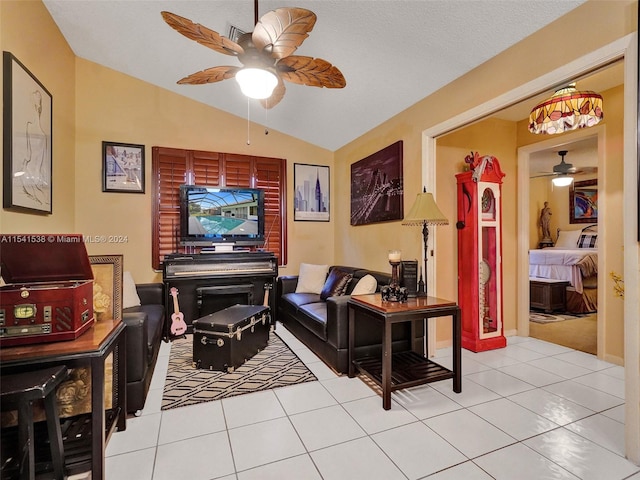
column 276, row 96
column 280, row 32
column 202, row 35
column 314, row 72
column 210, row 75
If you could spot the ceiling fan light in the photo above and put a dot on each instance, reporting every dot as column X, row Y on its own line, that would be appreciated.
column 256, row 82
column 568, row 109
column 562, row 181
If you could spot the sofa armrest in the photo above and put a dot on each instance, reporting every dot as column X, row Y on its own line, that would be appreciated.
column 150, row 293
column 338, row 321
column 136, row 344
column 286, row 284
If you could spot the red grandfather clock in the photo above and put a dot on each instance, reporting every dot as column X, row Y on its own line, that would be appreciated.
column 480, row 253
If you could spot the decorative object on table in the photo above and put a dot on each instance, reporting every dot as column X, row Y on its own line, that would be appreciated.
column 394, row 292
column 49, row 290
column 122, row 167
column 311, row 194
column 545, row 224
column 566, row 110
column 424, row 212
column 583, row 202
column 107, row 286
column 265, row 54
column 377, row 187
column 27, row 135
column 480, row 253
column 409, row 277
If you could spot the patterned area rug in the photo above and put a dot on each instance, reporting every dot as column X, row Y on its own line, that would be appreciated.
column 275, row 366
column 539, row 317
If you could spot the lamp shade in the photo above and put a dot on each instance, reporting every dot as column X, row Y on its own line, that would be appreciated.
column 562, row 180
column 256, row 82
column 568, row 109
column 425, row 210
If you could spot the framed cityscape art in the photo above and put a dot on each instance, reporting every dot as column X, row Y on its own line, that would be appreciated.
column 377, row 187
column 311, row 194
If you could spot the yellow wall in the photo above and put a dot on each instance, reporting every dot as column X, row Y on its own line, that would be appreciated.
column 116, row 107
column 501, row 74
column 29, row 33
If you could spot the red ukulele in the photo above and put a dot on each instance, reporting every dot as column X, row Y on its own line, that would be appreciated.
column 178, row 326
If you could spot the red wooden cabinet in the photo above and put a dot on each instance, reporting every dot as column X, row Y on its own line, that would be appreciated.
column 480, row 254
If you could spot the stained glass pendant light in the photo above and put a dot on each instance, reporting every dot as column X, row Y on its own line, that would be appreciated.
column 568, row 109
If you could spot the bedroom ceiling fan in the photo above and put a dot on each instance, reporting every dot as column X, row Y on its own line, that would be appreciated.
column 563, row 171
column 265, row 54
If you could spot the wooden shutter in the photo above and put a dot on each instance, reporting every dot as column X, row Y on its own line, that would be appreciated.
column 271, row 177
column 174, row 167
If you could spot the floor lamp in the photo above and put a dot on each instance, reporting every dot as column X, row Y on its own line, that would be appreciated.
column 425, row 212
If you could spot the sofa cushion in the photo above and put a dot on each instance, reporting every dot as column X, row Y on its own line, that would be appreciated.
column 130, row 296
column 299, row 299
column 313, row 316
column 311, row 278
column 336, row 284
column 367, row 284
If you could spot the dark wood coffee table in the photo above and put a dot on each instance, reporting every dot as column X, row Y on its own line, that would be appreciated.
column 409, row 368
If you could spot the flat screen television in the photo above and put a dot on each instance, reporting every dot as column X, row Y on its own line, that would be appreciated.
column 211, row 216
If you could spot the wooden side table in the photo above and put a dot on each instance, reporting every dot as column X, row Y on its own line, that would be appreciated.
column 399, row 370
column 91, row 348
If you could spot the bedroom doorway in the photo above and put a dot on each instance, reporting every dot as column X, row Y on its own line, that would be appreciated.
column 572, row 319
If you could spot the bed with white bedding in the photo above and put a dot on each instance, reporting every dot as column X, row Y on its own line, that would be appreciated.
column 573, row 259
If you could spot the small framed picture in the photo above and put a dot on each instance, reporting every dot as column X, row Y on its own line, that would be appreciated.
column 311, row 195
column 122, row 167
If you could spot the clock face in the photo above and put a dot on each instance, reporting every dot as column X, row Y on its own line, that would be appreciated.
column 26, row 310
column 485, row 272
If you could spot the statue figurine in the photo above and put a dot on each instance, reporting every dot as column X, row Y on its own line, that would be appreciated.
column 545, row 222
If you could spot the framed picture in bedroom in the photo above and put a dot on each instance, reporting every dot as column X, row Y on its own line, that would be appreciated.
column 27, row 136
column 377, row 193
column 583, row 202
column 311, row 195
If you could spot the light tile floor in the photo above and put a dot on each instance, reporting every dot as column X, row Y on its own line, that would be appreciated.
column 532, row 410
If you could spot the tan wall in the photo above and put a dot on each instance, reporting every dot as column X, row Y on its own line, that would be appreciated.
column 29, row 33
column 116, row 107
column 499, row 75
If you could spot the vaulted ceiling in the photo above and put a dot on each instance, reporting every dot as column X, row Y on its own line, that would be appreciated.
column 392, row 53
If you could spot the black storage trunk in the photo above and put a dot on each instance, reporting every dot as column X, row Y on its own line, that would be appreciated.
column 224, row 340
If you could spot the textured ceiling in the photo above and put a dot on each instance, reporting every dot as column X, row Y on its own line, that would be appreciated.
column 392, row 53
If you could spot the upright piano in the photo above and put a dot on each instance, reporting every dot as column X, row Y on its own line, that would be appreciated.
column 208, row 282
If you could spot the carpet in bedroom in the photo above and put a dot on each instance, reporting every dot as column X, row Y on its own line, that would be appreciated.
column 577, row 332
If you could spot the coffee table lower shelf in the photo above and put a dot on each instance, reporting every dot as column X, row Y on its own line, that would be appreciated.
column 408, row 370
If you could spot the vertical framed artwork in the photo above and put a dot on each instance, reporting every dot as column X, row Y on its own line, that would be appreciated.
column 377, row 193
column 311, row 194
column 583, row 202
column 107, row 286
column 122, row 167
column 27, row 137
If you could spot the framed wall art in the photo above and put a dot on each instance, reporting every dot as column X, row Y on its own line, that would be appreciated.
column 27, row 137
column 107, row 286
column 311, row 195
column 377, row 193
column 583, row 202
column 122, row 167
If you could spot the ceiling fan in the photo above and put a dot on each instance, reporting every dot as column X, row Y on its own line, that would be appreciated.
column 564, row 169
column 266, row 52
